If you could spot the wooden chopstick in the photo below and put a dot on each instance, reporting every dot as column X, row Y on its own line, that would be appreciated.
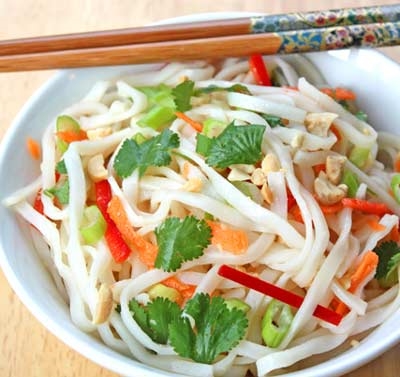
column 370, row 35
column 203, row 29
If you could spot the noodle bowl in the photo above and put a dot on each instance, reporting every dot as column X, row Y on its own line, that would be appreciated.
column 301, row 255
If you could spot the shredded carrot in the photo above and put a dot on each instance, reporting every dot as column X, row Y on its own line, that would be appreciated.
column 70, row 136
column 336, row 132
column 33, row 148
column 318, row 168
column 233, row 240
column 339, row 94
column 196, row 125
column 186, row 290
column 146, row 250
column 397, row 164
column 331, row 209
column 343, row 94
column 364, row 269
column 296, row 213
column 375, row 225
column 394, row 235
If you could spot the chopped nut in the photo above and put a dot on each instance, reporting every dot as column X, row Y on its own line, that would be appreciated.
column 297, row 141
column 193, row 185
column 334, row 168
column 104, row 305
column 354, row 343
column 328, row 193
column 98, row 133
column 258, row 177
column 267, row 194
column 319, row 123
column 237, row 174
column 96, row 169
column 270, row 163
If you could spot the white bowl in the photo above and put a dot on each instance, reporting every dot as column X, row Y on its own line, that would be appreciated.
column 376, row 79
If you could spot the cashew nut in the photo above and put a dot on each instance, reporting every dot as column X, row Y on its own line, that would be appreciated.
column 104, row 305
column 319, row 123
column 270, row 163
column 98, row 133
column 258, row 177
column 267, row 194
column 328, row 193
column 96, row 169
column 334, row 168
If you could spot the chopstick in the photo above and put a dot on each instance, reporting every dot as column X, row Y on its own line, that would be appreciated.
column 203, row 29
column 321, row 39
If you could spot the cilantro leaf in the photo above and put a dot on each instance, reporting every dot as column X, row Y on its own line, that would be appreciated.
column 152, row 152
column 235, row 145
column 140, row 315
column 182, row 94
column 218, row 329
column 180, row 241
column 273, row 120
column 238, row 88
column 60, row 191
column 162, row 312
column 389, row 258
column 155, row 318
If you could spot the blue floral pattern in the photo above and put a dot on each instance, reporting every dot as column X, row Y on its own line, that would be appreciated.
column 333, row 38
column 341, row 17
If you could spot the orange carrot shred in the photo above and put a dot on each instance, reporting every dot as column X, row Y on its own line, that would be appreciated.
column 33, row 148
column 330, row 209
column 375, row 225
column 71, row 136
column 364, row 269
column 336, row 132
column 146, row 250
column 233, row 240
column 296, row 213
column 397, row 164
column 343, row 94
column 195, row 125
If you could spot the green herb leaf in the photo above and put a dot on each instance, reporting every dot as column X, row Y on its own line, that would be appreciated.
column 389, row 258
column 152, row 152
column 238, row 88
column 60, row 191
column 235, row 145
column 182, row 94
column 218, row 329
column 180, row 241
column 162, row 312
column 273, row 120
column 61, row 168
column 139, row 314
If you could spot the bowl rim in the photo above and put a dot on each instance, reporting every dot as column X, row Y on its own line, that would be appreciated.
column 349, row 360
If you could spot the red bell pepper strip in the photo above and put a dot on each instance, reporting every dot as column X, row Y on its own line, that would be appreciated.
column 260, row 73
column 38, row 204
column 118, row 247
column 379, row 209
column 276, row 292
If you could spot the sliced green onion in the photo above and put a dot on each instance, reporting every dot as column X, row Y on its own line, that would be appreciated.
column 67, row 123
column 361, row 115
column 213, row 127
column 157, row 117
column 159, row 95
column 276, row 323
column 395, row 185
column 161, row 290
column 94, row 225
column 235, row 303
column 351, row 181
column 359, row 156
column 203, row 144
column 139, row 138
column 250, row 190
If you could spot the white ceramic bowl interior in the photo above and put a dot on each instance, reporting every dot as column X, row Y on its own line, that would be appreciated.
column 376, row 80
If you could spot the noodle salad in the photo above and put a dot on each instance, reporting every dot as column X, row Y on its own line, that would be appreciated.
column 211, row 217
